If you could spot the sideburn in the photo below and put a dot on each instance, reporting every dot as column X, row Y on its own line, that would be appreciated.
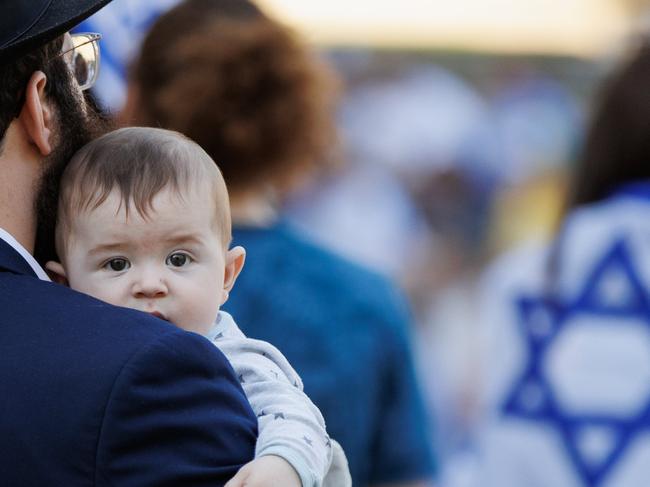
column 75, row 129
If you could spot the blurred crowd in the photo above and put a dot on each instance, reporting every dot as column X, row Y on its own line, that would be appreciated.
column 483, row 190
column 443, row 172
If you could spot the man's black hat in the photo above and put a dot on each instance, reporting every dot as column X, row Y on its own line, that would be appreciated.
column 27, row 24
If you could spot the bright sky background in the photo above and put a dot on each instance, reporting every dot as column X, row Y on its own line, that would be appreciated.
column 574, row 27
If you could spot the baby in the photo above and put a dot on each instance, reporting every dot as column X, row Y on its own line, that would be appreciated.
column 144, row 222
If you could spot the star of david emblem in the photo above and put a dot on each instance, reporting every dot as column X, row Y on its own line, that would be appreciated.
column 595, row 436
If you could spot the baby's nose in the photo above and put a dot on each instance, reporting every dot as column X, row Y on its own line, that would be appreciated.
column 150, row 285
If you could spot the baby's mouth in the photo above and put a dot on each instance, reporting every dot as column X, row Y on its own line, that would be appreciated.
column 158, row 314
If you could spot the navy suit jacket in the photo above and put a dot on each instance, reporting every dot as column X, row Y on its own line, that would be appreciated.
column 92, row 394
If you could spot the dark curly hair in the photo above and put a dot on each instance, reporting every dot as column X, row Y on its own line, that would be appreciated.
column 242, row 86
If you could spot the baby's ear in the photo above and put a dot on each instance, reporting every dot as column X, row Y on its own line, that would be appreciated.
column 235, row 258
column 56, row 272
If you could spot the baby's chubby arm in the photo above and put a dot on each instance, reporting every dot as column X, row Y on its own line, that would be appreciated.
column 290, row 425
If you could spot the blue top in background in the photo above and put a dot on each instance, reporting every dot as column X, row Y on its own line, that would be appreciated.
column 345, row 330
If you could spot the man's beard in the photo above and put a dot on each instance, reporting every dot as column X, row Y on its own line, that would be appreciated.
column 75, row 129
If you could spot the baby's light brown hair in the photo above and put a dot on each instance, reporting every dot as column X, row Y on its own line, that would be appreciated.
column 139, row 163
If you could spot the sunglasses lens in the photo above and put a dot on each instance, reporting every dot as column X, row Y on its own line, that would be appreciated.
column 81, row 69
column 85, row 60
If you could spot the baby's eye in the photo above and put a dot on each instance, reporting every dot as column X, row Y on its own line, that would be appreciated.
column 117, row 264
column 178, row 259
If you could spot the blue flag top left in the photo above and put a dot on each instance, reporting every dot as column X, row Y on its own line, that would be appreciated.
column 123, row 24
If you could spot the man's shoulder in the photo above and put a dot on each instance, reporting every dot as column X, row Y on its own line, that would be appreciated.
column 61, row 329
column 78, row 323
column 83, row 378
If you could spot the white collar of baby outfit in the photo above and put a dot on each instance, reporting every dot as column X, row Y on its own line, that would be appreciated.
column 38, row 270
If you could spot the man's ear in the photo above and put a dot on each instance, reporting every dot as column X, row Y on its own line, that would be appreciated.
column 56, row 272
column 37, row 116
column 235, row 258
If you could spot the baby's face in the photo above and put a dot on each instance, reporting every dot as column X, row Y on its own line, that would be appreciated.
column 171, row 264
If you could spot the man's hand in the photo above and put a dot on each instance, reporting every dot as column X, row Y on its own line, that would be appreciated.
column 266, row 471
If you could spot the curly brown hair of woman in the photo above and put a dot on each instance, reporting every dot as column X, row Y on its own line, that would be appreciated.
column 243, row 87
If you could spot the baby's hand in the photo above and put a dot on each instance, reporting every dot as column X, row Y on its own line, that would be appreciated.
column 266, row 471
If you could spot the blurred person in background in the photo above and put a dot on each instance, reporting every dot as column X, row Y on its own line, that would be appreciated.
column 567, row 325
column 248, row 91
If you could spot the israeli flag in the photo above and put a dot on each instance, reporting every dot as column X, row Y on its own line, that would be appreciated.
column 568, row 354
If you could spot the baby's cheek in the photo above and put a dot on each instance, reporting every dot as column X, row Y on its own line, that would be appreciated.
column 112, row 298
column 204, row 311
column 78, row 282
column 98, row 289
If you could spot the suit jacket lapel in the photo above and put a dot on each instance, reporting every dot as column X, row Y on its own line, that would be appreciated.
column 12, row 261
